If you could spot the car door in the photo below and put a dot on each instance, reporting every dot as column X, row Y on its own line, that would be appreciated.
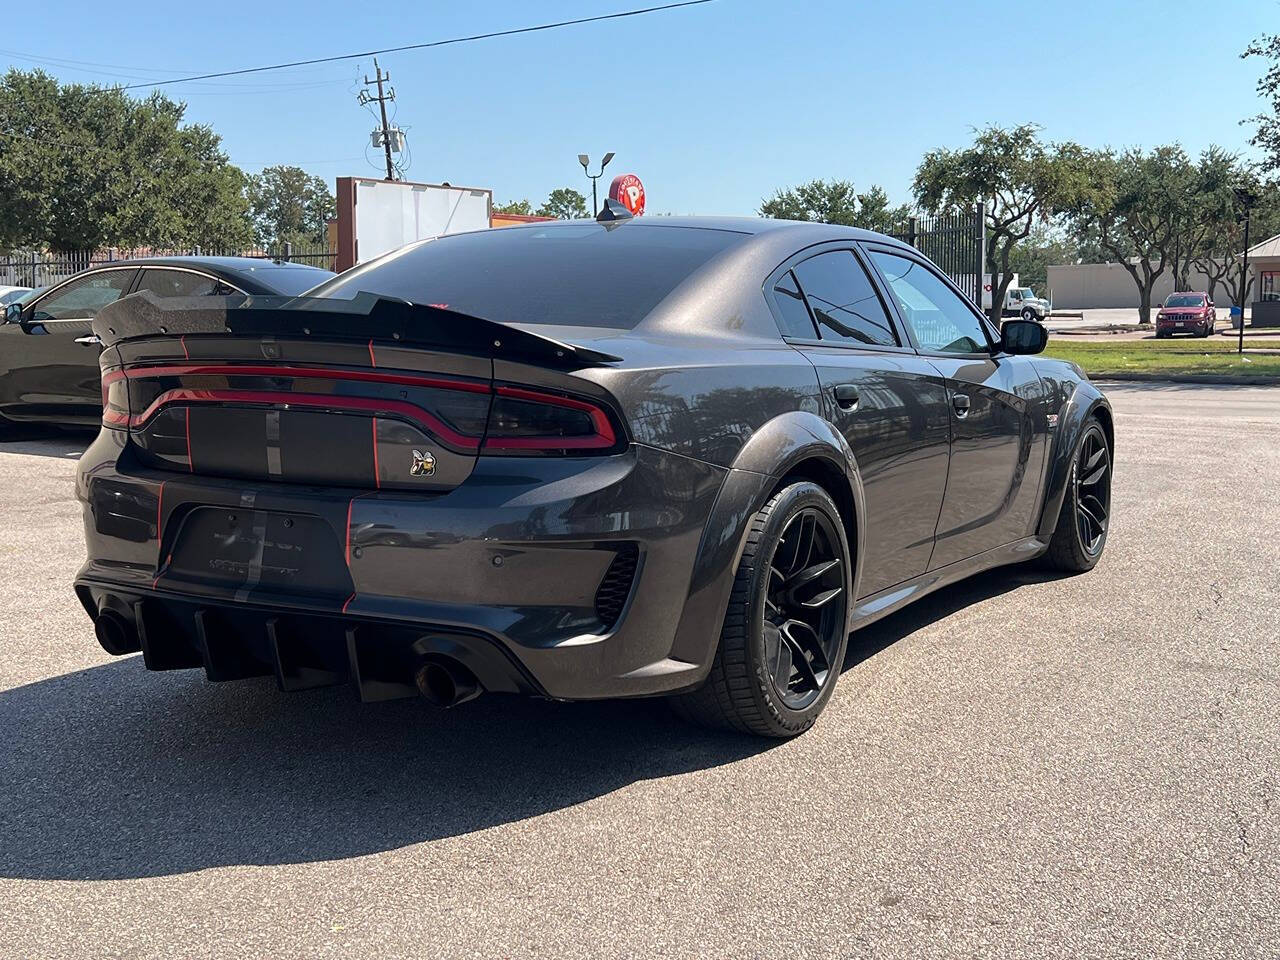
column 49, row 355
column 997, row 445
column 890, row 405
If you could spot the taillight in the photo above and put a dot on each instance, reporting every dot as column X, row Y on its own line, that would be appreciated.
column 115, row 399
column 527, row 421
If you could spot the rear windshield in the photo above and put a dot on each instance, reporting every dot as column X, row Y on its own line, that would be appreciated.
column 571, row 274
column 1194, row 300
column 291, row 281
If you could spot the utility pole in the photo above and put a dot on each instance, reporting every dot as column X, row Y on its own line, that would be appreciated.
column 379, row 78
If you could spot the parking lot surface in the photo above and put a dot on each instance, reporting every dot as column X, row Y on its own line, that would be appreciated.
column 1017, row 766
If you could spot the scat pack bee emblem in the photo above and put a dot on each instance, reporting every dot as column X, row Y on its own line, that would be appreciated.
column 423, row 465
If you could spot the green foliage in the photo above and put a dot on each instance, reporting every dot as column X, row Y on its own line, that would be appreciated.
column 564, row 204
column 86, row 166
column 522, row 207
column 1046, row 246
column 288, row 205
column 1267, row 134
column 835, row 201
column 1019, row 179
column 1156, row 210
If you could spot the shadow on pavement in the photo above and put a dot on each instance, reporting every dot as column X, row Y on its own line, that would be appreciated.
column 870, row 640
column 113, row 772
column 45, row 441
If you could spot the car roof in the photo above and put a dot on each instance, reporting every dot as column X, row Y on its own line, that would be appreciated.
column 754, row 226
column 245, row 272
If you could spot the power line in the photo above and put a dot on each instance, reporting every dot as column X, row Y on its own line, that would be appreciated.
column 424, row 46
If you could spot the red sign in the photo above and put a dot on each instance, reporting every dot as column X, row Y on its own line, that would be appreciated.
column 628, row 191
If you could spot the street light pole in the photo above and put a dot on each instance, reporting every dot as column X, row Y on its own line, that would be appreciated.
column 1244, row 280
column 1246, row 198
column 586, row 161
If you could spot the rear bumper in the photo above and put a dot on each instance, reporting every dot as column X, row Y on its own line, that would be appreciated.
column 564, row 578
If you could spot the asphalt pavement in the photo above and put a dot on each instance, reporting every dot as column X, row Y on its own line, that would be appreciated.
column 1018, row 766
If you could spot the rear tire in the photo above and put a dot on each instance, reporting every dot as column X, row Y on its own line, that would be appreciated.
column 1083, row 522
column 787, row 623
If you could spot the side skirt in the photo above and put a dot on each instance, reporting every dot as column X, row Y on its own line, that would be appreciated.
column 893, row 599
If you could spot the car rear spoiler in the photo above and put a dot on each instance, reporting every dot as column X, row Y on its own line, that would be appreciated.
column 365, row 317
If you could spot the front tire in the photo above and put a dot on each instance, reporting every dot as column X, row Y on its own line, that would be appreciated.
column 787, row 624
column 1081, row 532
column 1028, row 314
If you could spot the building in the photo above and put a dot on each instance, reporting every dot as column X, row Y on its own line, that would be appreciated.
column 1086, row 286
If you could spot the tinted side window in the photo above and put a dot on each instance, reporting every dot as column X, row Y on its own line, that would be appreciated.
column 939, row 318
column 177, row 283
column 82, row 298
column 793, row 314
column 843, row 301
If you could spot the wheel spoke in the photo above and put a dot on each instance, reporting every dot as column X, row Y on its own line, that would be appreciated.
column 822, row 599
column 1095, row 455
column 1098, row 473
column 807, row 670
column 799, row 543
column 777, row 657
column 811, row 573
column 1093, row 507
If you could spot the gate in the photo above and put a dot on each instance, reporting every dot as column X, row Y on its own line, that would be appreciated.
column 953, row 241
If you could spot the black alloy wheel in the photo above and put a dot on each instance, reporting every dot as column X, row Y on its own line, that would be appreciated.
column 804, row 608
column 785, row 628
column 1085, row 518
column 1093, row 490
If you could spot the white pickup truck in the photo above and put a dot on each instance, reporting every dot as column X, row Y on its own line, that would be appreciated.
column 1019, row 301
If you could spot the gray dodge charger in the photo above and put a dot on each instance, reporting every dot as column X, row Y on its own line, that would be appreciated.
column 678, row 457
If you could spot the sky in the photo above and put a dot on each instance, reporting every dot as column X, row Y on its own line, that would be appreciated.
column 714, row 107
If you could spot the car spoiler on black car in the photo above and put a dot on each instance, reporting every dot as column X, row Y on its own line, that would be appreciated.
column 365, row 317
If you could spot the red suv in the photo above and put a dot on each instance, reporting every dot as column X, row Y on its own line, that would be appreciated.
column 1186, row 313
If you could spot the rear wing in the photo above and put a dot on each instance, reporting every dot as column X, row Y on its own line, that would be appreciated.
column 365, row 317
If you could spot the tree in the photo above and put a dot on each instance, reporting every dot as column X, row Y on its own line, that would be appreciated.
column 1046, row 245
column 1135, row 207
column 288, row 205
column 564, row 204
column 1018, row 179
column 1219, row 256
column 1267, row 135
column 835, row 201
column 1206, row 203
column 85, row 166
column 522, row 207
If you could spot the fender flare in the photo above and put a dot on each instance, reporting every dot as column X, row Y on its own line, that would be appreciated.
column 1085, row 401
column 781, row 446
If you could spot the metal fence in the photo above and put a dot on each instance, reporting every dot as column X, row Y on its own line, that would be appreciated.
column 955, row 242
column 41, row 268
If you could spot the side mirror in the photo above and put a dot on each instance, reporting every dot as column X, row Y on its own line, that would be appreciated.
column 12, row 311
column 1023, row 336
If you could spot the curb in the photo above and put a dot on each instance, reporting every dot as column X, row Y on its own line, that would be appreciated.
column 1204, row 378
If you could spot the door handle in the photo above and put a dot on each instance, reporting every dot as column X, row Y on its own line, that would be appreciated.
column 961, row 405
column 91, row 340
column 846, row 395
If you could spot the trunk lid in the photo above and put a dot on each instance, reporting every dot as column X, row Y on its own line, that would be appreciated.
column 367, row 393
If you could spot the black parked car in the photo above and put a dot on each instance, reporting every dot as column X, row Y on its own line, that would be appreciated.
column 672, row 456
column 49, row 354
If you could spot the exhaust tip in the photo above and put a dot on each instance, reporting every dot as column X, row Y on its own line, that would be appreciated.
column 115, row 634
column 445, row 684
